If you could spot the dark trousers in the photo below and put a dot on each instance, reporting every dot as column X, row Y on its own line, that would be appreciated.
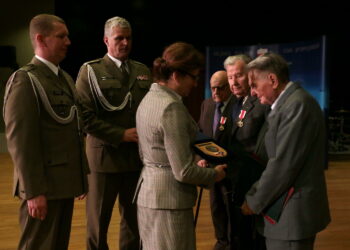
column 221, row 213
column 103, row 191
column 51, row 233
column 245, row 235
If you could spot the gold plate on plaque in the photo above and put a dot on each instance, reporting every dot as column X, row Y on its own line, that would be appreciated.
column 211, row 149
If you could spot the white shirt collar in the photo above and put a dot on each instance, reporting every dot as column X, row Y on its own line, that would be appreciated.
column 49, row 64
column 279, row 97
column 244, row 99
column 118, row 62
column 115, row 60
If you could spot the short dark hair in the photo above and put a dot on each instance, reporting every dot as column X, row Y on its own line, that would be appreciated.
column 42, row 24
column 180, row 57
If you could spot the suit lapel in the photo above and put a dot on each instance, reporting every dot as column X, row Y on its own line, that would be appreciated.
column 51, row 80
column 247, row 106
column 71, row 86
column 133, row 73
column 111, row 68
column 210, row 117
column 227, row 114
column 284, row 97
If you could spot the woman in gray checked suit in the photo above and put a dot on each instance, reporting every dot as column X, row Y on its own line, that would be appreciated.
column 167, row 192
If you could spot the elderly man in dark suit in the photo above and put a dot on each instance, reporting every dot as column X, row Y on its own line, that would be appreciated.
column 295, row 144
column 248, row 117
column 43, row 130
column 111, row 89
column 215, row 113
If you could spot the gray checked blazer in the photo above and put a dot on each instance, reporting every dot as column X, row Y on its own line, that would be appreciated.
column 166, row 131
column 295, row 144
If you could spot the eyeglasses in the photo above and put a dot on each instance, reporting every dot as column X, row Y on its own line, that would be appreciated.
column 219, row 88
column 194, row 77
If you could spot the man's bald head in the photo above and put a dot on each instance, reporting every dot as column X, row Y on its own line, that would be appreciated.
column 219, row 86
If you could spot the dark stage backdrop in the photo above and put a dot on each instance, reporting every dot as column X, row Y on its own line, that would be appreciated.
column 307, row 62
column 157, row 23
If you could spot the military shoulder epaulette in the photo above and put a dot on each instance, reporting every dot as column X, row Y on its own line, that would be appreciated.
column 140, row 63
column 94, row 61
column 28, row 67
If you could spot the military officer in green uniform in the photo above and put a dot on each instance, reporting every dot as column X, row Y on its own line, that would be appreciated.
column 111, row 89
column 44, row 137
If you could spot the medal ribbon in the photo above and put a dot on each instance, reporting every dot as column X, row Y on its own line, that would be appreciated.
column 242, row 114
column 223, row 120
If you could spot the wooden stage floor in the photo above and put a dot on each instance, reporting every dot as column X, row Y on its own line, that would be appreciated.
column 335, row 237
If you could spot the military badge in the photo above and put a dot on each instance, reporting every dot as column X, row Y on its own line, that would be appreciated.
column 142, row 77
column 222, row 123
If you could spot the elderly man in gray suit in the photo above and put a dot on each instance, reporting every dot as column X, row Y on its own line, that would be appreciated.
column 295, row 144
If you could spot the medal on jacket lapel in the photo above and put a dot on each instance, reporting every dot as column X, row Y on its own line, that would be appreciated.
column 222, row 123
column 241, row 117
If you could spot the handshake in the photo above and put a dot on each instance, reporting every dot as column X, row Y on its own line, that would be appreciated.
column 219, row 169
